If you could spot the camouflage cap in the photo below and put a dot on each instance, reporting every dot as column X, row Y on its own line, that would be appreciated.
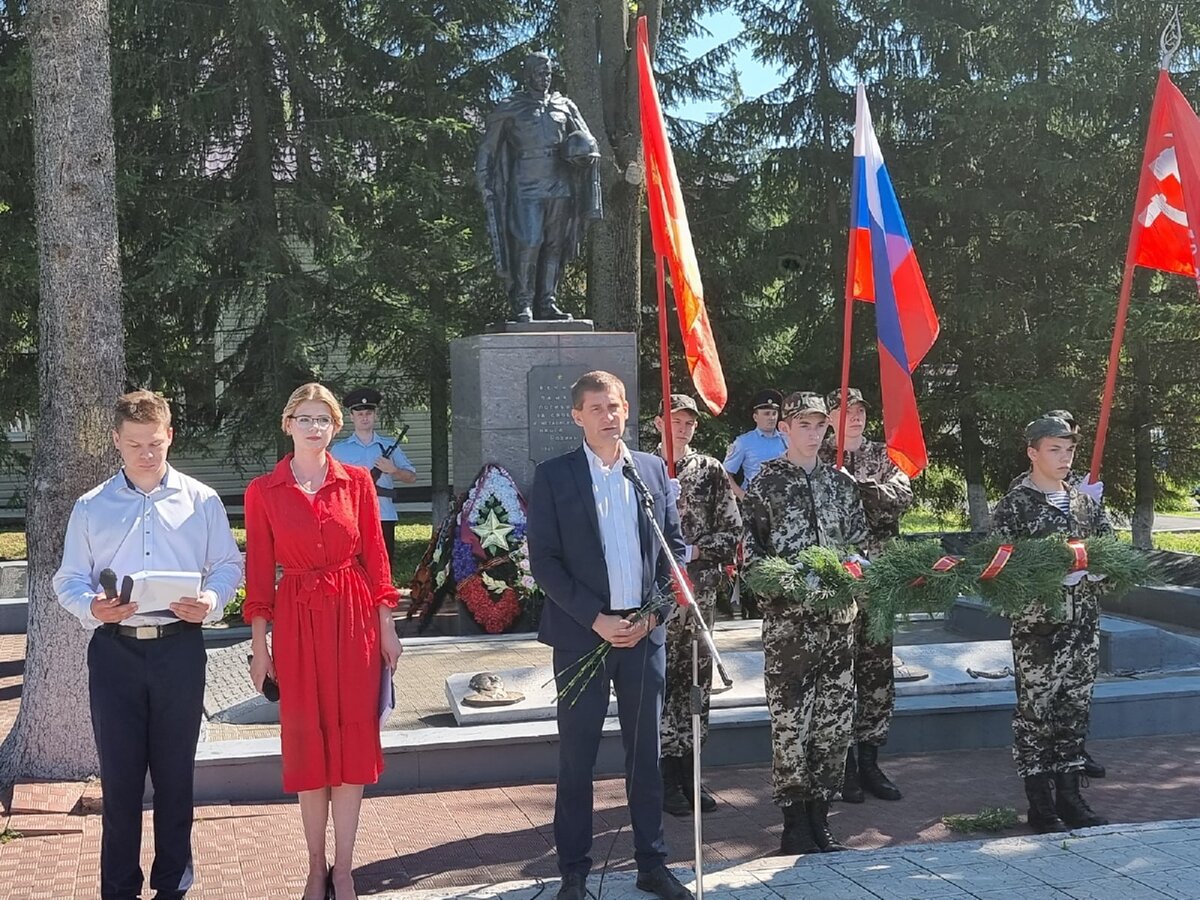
column 1061, row 414
column 768, row 398
column 681, row 403
column 834, row 398
column 1048, row 427
column 801, row 403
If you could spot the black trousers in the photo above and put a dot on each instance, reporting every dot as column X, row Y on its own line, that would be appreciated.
column 637, row 675
column 389, row 539
column 147, row 698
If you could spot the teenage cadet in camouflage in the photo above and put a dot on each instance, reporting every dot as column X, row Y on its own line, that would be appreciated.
column 886, row 493
column 712, row 526
column 794, row 502
column 1056, row 657
column 1095, row 490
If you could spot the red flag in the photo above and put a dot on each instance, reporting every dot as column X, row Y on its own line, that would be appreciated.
column 672, row 238
column 1168, row 200
column 1165, row 216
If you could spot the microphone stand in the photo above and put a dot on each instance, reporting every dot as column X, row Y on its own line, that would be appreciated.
column 701, row 633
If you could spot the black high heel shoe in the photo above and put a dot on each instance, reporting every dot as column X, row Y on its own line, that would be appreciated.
column 328, row 886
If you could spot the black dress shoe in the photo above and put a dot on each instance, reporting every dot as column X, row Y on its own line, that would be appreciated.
column 574, row 887
column 662, row 883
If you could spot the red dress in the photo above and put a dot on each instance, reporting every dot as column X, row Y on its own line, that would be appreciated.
column 325, row 637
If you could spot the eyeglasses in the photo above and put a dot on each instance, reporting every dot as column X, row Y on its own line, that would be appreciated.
column 321, row 422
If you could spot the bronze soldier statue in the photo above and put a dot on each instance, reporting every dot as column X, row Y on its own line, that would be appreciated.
column 537, row 170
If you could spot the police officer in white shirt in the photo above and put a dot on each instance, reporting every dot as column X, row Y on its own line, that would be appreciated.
column 146, row 671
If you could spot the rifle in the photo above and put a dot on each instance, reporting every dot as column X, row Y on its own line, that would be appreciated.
column 377, row 472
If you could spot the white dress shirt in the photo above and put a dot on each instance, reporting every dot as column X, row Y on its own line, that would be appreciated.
column 617, row 514
column 179, row 526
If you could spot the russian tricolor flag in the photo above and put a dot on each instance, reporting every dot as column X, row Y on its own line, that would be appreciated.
column 882, row 269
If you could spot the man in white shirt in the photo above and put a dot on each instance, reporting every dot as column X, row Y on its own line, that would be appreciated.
column 592, row 551
column 146, row 671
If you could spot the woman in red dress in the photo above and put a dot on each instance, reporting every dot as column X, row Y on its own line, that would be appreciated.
column 331, row 621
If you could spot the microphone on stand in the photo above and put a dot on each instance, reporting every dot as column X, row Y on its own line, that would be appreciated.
column 629, row 470
column 108, row 581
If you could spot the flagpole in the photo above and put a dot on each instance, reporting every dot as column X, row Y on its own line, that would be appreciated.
column 1114, row 362
column 665, row 362
column 847, row 332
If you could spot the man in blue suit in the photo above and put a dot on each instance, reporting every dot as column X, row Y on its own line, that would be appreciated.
column 593, row 553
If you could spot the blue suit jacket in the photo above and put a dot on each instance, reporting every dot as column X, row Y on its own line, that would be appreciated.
column 567, row 558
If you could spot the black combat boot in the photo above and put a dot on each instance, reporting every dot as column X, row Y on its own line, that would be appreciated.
column 675, row 801
column 1091, row 768
column 852, row 791
column 818, row 819
column 872, row 776
column 1070, row 805
column 688, row 782
column 1043, row 818
column 797, row 832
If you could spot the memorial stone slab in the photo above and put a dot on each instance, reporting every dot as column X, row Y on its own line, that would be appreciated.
column 947, row 665
column 511, row 396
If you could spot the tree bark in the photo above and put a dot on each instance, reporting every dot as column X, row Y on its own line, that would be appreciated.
column 1145, row 484
column 81, row 366
column 978, row 514
column 439, row 410
column 599, row 42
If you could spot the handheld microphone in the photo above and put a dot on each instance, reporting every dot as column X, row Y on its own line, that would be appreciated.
column 629, row 470
column 126, row 589
column 108, row 581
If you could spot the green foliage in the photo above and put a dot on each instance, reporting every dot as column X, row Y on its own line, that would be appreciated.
column 815, row 580
column 989, row 818
column 902, row 579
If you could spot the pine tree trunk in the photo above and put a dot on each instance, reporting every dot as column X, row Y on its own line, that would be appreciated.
column 439, row 409
column 1145, row 484
column 81, row 366
column 599, row 41
column 978, row 515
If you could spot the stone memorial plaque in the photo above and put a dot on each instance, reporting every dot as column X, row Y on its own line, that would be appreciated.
column 552, row 431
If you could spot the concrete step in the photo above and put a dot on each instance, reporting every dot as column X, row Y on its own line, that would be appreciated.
column 439, row 758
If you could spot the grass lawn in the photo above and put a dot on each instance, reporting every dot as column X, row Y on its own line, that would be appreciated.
column 921, row 519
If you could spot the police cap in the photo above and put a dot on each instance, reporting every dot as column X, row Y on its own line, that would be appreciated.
column 767, row 398
column 363, row 398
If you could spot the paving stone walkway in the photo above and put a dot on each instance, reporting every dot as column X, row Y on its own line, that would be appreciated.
column 1121, row 862
column 448, row 840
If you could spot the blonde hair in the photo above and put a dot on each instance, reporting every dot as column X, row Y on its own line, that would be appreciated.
column 313, row 391
column 142, row 407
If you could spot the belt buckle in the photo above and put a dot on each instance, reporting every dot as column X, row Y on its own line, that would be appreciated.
column 146, row 632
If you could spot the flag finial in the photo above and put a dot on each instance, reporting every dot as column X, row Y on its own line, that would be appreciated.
column 1168, row 43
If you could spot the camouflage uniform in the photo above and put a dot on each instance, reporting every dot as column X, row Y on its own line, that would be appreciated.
column 1073, row 479
column 710, row 521
column 808, row 656
column 1056, row 659
column 886, row 493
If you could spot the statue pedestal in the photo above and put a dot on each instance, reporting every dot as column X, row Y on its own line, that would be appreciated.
column 511, row 396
